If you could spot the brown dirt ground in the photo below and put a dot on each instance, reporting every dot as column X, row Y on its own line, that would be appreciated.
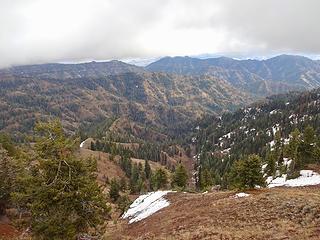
column 7, row 231
column 279, row 213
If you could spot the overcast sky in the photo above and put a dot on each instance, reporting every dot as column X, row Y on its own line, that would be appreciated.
column 38, row 31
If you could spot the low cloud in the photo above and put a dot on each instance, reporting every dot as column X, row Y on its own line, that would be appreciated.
column 38, row 31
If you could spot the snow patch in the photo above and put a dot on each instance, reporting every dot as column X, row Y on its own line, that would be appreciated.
column 228, row 135
column 275, row 129
column 306, row 178
column 287, row 162
column 82, row 143
column 241, row 194
column 226, row 151
column 146, row 205
column 263, row 167
column 273, row 112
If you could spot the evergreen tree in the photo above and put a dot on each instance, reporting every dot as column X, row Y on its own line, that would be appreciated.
column 123, row 203
column 246, row 173
column 206, row 179
column 147, row 169
column 65, row 199
column 7, row 176
column 159, row 179
column 134, row 184
column 7, row 144
column 180, row 177
column 271, row 163
column 309, row 135
column 278, row 149
column 114, row 190
column 92, row 146
column 123, row 184
column 292, row 152
column 307, row 146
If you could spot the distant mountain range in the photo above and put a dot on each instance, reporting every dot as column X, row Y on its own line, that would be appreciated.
column 167, row 96
column 259, row 77
column 89, row 92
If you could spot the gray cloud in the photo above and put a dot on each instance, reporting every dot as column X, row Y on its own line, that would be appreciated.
column 37, row 31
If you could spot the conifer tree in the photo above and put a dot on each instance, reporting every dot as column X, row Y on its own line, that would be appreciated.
column 147, row 169
column 114, row 190
column 307, row 147
column 292, row 151
column 271, row 163
column 206, row 179
column 180, row 176
column 278, row 149
column 65, row 199
column 7, row 175
column 246, row 173
column 159, row 179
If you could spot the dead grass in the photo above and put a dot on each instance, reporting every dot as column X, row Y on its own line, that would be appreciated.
column 282, row 213
column 106, row 168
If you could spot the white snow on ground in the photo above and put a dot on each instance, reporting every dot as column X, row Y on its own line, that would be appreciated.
column 228, row 135
column 226, row 151
column 275, row 129
column 287, row 161
column 146, row 205
column 307, row 177
column 82, row 144
column 263, row 167
column 241, row 194
column 273, row 111
column 272, row 143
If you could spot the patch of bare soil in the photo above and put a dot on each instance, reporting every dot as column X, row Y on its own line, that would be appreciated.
column 7, row 231
column 280, row 213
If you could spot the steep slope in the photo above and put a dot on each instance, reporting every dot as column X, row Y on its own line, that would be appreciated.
column 264, row 129
column 276, row 75
column 269, row 214
column 85, row 93
column 250, row 129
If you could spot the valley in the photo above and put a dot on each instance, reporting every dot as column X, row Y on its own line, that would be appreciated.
column 226, row 153
column 159, row 120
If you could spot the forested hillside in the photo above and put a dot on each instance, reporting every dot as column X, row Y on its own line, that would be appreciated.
column 93, row 92
column 283, row 128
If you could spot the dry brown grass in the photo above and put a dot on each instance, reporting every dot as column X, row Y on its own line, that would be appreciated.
column 154, row 165
column 106, row 168
column 282, row 213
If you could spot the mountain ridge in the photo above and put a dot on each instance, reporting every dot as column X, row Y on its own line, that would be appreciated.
column 90, row 91
column 271, row 76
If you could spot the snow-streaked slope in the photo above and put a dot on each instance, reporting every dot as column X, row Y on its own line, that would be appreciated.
column 146, row 205
column 306, row 178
